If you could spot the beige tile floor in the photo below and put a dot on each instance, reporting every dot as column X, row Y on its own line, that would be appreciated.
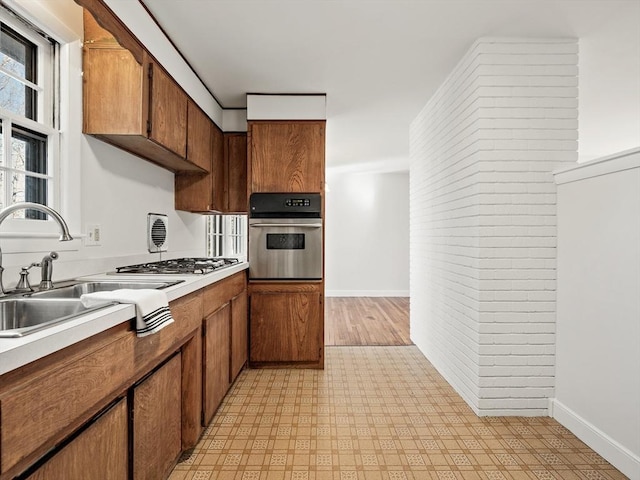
column 376, row 413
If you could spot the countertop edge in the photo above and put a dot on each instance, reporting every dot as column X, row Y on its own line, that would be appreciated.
column 17, row 352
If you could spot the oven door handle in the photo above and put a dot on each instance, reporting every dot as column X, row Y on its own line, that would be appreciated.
column 296, row 225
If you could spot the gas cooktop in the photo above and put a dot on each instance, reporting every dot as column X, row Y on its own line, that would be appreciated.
column 180, row 266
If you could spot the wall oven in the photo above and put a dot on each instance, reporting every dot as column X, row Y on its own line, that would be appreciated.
column 285, row 236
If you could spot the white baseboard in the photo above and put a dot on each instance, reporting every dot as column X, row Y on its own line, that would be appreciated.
column 366, row 293
column 618, row 455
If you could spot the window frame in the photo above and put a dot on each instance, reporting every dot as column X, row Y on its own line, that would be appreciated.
column 231, row 239
column 48, row 68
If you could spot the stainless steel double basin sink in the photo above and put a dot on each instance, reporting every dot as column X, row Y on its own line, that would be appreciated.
column 22, row 314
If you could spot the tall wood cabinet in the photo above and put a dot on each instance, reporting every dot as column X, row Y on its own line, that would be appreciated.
column 287, row 156
column 286, row 318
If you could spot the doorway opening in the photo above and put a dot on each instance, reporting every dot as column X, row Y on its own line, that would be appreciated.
column 366, row 321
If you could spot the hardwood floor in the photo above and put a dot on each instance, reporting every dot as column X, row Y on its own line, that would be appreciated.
column 366, row 321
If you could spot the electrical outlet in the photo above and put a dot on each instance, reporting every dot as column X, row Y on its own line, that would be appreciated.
column 93, row 236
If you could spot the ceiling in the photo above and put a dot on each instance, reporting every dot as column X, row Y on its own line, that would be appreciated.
column 378, row 61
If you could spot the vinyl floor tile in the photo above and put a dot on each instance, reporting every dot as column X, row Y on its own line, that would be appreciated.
column 376, row 413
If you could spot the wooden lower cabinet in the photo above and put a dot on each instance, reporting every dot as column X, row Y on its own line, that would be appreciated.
column 287, row 324
column 51, row 425
column 100, row 451
column 239, row 335
column 156, row 413
column 216, row 356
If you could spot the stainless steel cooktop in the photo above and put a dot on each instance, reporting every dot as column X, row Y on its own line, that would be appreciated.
column 180, row 266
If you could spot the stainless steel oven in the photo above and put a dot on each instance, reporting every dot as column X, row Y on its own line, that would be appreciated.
column 285, row 236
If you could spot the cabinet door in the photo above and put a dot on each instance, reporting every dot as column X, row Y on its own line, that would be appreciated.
column 216, row 360
column 198, row 137
column 100, row 451
column 167, row 111
column 194, row 191
column 236, row 160
column 108, row 70
column 239, row 335
column 157, row 417
column 286, row 326
column 287, row 156
column 218, row 172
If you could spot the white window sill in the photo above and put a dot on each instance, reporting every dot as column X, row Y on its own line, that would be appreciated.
column 33, row 242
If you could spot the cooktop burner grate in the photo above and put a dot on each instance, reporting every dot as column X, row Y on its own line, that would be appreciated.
column 180, row 266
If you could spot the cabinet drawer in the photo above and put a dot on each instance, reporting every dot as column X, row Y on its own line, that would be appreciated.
column 221, row 292
column 74, row 391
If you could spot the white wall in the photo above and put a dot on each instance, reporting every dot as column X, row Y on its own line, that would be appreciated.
column 103, row 185
column 609, row 100
column 483, row 220
column 598, row 326
column 367, row 234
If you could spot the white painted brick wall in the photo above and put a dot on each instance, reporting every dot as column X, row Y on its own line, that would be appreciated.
column 483, row 220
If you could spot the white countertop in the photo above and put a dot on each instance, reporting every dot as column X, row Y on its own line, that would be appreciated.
column 16, row 352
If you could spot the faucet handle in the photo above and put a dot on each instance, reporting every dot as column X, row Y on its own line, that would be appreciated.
column 23, row 284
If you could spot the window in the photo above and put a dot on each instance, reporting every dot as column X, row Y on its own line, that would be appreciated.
column 227, row 236
column 28, row 135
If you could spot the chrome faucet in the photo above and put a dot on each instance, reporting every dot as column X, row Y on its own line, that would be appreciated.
column 65, row 236
column 47, row 271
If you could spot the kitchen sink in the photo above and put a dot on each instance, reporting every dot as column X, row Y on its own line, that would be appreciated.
column 77, row 289
column 21, row 316
column 32, row 312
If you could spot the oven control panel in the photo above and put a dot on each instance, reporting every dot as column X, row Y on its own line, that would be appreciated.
column 285, row 205
column 297, row 202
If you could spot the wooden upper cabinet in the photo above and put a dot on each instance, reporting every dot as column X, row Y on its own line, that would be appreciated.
column 167, row 111
column 218, row 173
column 224, row 188
column 131, row 102
column 111, row 68
column 236, row 159
column 199, row 130
column 287, row 156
